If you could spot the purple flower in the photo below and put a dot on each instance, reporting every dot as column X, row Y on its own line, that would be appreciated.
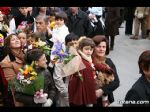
column 59, row 52
column 18, row 75
column 1, row 40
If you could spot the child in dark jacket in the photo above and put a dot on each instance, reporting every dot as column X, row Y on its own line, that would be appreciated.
column 81, row 84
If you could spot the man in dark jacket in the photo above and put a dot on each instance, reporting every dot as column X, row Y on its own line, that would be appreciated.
column 78, row 22
column 112, row 19
column 129, row 16
column 139, row 94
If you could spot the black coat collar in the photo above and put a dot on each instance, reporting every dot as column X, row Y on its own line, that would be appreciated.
column 146, row 84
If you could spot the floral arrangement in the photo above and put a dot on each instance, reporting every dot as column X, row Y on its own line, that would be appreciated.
column 27, row 75
column 71, row 60
column 1, row 40
column 104, row 75
column 73, row 64
column 27, row 80
column 58, row 53
column 43, row 46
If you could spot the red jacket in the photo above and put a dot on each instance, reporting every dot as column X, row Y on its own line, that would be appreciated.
column 7, row 96
column 82, row 92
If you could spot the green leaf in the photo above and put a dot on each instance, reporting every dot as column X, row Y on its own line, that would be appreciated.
column 30, row 89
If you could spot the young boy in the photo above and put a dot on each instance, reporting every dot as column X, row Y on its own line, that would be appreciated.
column 60, row 31
column 61, row 83
column 32, row 39
column 40, row 67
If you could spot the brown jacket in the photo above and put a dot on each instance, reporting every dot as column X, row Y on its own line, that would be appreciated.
column 112, row 21
column 148, row 18
column 10, row 70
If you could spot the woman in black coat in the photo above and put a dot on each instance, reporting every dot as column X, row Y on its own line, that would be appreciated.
column 98, row 57
column 139, row 94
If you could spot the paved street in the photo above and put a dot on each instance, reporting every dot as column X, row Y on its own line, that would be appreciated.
column 125, row 56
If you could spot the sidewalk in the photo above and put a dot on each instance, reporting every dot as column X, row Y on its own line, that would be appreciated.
column 125, row 56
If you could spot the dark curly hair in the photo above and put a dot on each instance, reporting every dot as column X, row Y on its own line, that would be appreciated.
column 33, row 55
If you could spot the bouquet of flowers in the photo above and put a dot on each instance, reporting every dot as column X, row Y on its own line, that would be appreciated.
column 41, row 45
column 27, row 80
column 104, row 75
column 73, row 64
column 57, row 53
column 1, row 40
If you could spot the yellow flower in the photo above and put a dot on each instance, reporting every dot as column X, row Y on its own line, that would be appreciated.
column 36, row 44
column 1, row 36
column 32, row 78
column 30, row 68
column 52, row 24
column 26, row 71
column 33, row 73
column 61, row 52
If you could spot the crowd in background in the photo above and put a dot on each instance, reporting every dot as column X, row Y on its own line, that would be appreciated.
column 86, row 32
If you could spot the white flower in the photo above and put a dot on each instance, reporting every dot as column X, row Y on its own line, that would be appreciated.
column 41, row 43
column 25, row 82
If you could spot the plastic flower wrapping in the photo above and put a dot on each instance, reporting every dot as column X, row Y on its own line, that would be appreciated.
column 71, row 60
column 27, row 80
column 104, row 75
column 74, row 64
column 1, row 40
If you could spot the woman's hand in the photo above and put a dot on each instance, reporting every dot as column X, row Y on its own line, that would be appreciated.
column 48, row 103
column 49, row 31
column 40, row 97
column 99, row 93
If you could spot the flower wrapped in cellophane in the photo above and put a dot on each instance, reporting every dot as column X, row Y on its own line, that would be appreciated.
column 27, row 80
column 71, row 60
column 74, row 64
column 1, row 40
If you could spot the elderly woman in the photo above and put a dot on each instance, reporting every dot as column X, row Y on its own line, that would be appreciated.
column 98, row 57
column 12, row 62
column 139, row 94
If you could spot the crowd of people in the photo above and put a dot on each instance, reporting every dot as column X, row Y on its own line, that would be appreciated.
column 57, row 56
